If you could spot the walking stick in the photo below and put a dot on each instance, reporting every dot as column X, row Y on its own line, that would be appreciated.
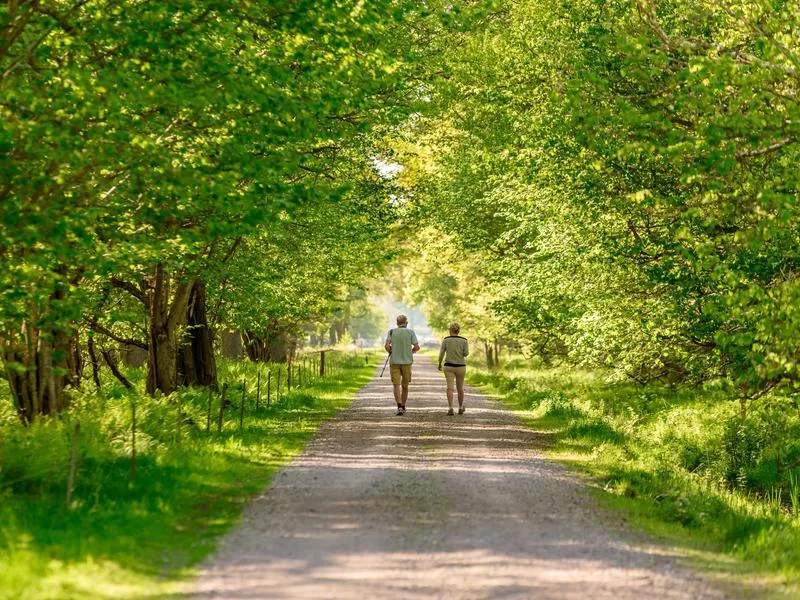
column 388, row 353
column 386, row 363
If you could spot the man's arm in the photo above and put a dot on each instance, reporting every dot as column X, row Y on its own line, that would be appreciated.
column 388, row 344
column 415, row 348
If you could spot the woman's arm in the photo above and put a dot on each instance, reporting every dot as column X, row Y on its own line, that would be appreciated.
column 441, row 355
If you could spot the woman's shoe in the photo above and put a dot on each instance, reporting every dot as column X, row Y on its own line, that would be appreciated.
column 450, row 413
column 461, row 410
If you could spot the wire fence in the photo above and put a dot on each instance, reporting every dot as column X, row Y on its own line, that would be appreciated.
column 273, row 383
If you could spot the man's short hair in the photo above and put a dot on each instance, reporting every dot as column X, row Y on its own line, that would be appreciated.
column 454, row 327
column 402, row 320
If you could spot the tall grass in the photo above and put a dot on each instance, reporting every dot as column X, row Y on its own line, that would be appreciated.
column 680, row 460
column 794, row 492
column 124, row 537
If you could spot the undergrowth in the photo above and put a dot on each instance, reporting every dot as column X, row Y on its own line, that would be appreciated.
column 137, row 536
column 680, row 461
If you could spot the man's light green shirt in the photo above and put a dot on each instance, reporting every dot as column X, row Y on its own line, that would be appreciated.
column 403, row 340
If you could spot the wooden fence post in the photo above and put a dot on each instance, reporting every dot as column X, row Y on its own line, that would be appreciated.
column 73, row 463
column 258, row 388
column 208, row 414
column 133, row 441
column 289, row 376
column 322, row 363
column 269, row 386
column 278, row 396
column 222, row 408
column 241, row 408
column 178, row 425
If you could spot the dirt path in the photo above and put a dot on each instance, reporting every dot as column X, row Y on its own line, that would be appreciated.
column 431, row 506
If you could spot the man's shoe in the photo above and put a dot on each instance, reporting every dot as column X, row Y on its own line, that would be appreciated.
column 461, row 410
column 450, row 412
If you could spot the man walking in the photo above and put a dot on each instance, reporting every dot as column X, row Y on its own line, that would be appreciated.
column 401, row 344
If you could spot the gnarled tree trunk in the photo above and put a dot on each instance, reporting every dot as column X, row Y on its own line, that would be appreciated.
column 271, row 345
column 167, row 318
column 197, row 364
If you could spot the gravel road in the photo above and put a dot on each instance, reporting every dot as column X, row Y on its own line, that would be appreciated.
column 431, row 506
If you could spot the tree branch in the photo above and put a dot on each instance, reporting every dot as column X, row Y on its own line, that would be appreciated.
column 110, row 334
column 235, row 246
column 327, row 176
column 766, row 150
column 114, row 369
column 647, row 13
column 128, row 287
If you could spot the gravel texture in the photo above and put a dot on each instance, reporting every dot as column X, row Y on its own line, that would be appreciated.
column 432, row 506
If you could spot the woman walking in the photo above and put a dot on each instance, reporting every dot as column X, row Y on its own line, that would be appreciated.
column 454, row 352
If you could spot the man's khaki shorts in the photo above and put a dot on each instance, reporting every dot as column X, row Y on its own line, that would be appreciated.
column 400, row 374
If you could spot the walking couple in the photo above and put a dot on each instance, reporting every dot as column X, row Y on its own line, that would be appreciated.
column 402, row 344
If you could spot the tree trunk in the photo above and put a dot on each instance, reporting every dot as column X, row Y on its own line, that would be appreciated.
column 167, row 318
column 489, row 360
column 111, row 361
column 95, row 362
column 270, row 346
column 255, row 346
column 134, row 356
column 74, row 361
column 496, row 352
column 35, row 364
column 197, row 364
column 231, row 344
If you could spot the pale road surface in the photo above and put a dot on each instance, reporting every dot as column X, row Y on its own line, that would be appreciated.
column 432, row 506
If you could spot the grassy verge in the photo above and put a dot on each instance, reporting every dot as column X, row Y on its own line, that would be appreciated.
column 123, row 538
column 677, row 463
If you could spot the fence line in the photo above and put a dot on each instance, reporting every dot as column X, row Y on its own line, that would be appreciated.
column 307, row 367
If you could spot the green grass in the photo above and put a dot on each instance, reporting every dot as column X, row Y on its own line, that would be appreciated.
column 679, row 463
column 141, row 539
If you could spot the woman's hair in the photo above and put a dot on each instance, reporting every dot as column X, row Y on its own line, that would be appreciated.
column 454, row 328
